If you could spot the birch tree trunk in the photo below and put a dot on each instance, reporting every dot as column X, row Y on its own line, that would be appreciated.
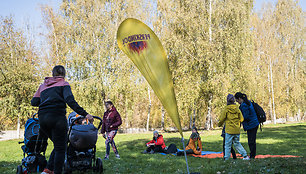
column 149, row 109
column 18, row 127
column 126, row 113
column 210, row 9
column 194, row 115
column 270, row 97
column 272, row 91
column 208, row 117
column 287, row 90
column 163, row 118
column 190, row 121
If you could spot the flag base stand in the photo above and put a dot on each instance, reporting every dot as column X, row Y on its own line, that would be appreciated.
column 185, row 155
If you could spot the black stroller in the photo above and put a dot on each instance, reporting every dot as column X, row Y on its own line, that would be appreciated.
column 81, row 149
column 35, row 145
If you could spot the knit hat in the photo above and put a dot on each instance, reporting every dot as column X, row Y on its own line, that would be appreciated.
column 230, row 99
column 155, row 132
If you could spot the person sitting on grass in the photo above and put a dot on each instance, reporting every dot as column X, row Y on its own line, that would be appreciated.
column 156, row 145
column 195, row 130
column 232, row 117
column 191, row 147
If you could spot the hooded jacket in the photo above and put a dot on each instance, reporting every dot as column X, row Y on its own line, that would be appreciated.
column 250, row 117
column 111, row 118
column 232, row 117
column 53, row 95
column 159, row 141
column 192, row 145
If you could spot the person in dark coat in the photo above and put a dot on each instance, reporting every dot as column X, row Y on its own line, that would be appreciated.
column 250, row 123
column 111, row 122
column 51, row 98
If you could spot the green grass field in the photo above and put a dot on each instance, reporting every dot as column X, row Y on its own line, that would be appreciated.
column 281, row 139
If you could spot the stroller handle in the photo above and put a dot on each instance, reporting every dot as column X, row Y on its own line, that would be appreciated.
column 82, row 117
column 98, row 118
column 34, row 117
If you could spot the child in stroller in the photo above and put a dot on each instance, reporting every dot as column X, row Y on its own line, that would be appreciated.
column 35, row 145
column 81, row 149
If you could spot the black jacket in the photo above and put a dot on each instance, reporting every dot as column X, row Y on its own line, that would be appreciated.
column 53, row 95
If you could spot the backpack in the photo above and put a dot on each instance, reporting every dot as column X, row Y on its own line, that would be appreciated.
column 261, row 115
column 34, row 140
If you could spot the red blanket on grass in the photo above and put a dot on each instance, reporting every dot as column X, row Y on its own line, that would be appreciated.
column 220, row 155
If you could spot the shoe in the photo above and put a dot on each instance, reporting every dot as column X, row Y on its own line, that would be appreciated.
column 118, row 156
column 47, row 171
column 144, row 152
column 246, row 158
column 151, row 152
column 106, row 158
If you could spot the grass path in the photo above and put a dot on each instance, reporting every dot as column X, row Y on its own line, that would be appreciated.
column 281, row 139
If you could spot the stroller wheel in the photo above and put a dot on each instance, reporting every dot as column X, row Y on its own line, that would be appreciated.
column 19, row 169
column 99, row 165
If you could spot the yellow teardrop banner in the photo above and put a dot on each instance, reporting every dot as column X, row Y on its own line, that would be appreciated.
column 143, row 47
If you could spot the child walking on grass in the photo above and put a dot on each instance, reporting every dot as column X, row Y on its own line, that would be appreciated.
column 232, row 117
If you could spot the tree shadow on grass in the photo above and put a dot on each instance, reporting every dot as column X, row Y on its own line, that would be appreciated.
column 8, row 167
column 289, row 140
column 133, row 161
column 274, row 141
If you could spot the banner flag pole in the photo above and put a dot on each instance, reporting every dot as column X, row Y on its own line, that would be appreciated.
column 185, row 155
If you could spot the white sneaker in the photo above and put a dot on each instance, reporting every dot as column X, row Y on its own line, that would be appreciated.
column 118, row 156
column 246, row 158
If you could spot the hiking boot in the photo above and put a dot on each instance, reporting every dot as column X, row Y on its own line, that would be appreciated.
column 47, row 171
column 117, row 156
column 246, row 158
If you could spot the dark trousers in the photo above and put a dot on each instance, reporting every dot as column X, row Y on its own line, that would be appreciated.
column 252, row 141
column 155, row 149
column 232, row 150
column 181, row 153
column 54, row 125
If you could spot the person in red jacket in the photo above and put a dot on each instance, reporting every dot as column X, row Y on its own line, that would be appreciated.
column 156, row 145
column 110, row 124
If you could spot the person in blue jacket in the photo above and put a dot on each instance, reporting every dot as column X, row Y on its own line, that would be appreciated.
column 250, row 123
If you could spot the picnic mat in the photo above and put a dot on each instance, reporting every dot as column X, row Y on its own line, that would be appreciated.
column 220, row 155
column 203, row 153
column 211, row 154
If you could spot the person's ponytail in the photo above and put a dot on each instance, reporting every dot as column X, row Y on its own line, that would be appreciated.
column 245, row 99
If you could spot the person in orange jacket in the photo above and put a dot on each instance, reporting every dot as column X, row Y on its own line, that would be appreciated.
column 156, row 145
column 191, row 147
